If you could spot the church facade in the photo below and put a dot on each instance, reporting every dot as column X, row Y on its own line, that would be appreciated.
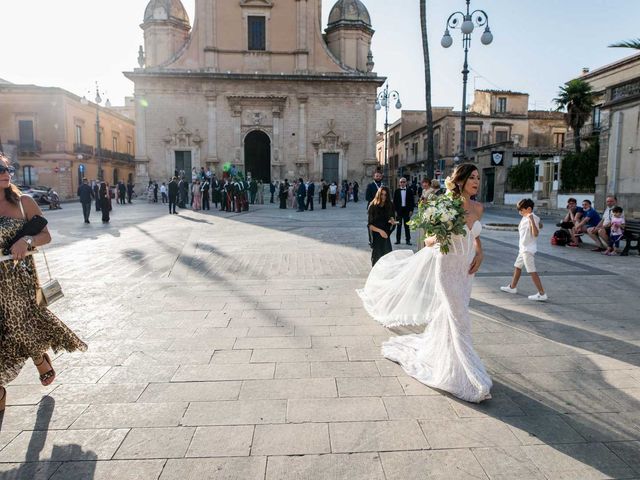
column 259, row 85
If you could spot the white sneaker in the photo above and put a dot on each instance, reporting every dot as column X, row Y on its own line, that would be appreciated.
column 508, row 289
column 539, row 297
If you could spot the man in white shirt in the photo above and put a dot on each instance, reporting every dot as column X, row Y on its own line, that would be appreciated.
column 600, row 233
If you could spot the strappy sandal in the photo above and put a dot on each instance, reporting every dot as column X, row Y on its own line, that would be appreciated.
column 3, row 400
column 47, row 378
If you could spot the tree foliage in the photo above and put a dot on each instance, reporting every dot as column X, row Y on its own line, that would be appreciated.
column 635, row 44
column 522, row 177
column 578, row 98
column 580, row 169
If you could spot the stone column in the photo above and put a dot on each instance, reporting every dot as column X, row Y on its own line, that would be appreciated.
column 302, row 48
column 142, row 160
column 212, row 129
column 237, row 135
column 302, row 130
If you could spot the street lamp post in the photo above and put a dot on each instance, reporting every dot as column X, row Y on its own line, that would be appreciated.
column 466, row 22
column 383, row 101
column 98, row 101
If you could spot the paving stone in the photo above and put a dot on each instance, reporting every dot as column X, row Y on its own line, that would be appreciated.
column 363, row 466
column 81, row 375
column 240, row 412
column 496, row 407
column 412, row 387
column 44, row 416
column 292, row 355
column 468, row 432
column 408, row 408
column 288, row 388
column 231, row 356
column 139, row 374
column 249, row 468
column 545, row 429
column 344, row 369
column 98, row 393
column 175, row 358
column 587, row 460
column 291, row 439
column 505, row 463
column 128, row 415
column 29, row 471
column 271, row 332
column 114, row 469
column 204, row 373
column 458, row 464
column 351, row 437
column 167, row 442
column 6, row 436
column 341, row 341
column 369, row 387
column 249, row 343
column 629, row 452
column 605, row 427
column 335, row 410
column 207, row 344
column 27, row 394
column 361, row 354
column 293, row 370
column 226, row 441
column 190, row 392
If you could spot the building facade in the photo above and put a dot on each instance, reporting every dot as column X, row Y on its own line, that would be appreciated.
column 256, row 84
column 616, row 123
column 51, row 136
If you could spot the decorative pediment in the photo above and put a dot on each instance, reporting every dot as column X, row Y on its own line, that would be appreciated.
column 256, row 3
column 330, row 141
column 182, row 136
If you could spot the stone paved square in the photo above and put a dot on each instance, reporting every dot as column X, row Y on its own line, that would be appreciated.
column 234, row 346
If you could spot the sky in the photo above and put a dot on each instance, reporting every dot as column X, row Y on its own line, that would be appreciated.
column 538, row 45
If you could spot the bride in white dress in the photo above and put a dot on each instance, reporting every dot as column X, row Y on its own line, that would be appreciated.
column 434, row 289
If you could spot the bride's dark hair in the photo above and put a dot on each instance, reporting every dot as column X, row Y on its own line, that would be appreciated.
column 459, row 178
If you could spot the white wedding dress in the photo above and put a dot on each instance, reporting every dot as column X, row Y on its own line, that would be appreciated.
column 434, row 289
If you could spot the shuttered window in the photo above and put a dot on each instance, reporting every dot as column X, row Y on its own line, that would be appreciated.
column 257, row 33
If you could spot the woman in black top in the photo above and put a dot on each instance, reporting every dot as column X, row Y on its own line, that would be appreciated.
column 105, row 202
column 282, row 194
column 381, row 224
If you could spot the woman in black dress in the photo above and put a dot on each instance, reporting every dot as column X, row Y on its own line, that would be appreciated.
column 105, row 202
column 283, row 195
column 381, row 224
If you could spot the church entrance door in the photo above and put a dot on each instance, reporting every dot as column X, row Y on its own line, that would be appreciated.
column 330, row 167
column 183, row 164
column 257, row 156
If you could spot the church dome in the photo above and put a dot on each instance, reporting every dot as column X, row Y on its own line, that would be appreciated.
column 172, row 10
column 350, row 12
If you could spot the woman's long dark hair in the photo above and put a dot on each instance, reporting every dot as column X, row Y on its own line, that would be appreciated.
column 11, row 193
column 387, row 205
column 460, row 177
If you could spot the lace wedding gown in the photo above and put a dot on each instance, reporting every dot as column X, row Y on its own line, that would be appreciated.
column 429, row 287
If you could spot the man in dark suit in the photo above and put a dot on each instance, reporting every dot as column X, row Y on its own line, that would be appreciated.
column 173, row 195
column 373, row 187
column 86, row 195
column 301, row 194
column 272, row 191
column 96, row 196
column 404, row 204
column 311, row 190
column 324, row 193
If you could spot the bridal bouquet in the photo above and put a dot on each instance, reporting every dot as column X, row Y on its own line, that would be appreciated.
column 441, row 217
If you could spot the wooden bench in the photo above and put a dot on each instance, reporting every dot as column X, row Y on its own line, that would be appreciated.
column 631, row 236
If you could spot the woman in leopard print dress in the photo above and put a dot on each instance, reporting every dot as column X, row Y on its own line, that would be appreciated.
column 26, row 329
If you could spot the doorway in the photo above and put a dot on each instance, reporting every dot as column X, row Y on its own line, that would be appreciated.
column 331, row 167
column 257, row 156
column 183, row 164
column 488, row 184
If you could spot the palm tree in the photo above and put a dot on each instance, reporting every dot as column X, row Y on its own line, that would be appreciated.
column 628, row 44
column 427, row 85
column 578, row 98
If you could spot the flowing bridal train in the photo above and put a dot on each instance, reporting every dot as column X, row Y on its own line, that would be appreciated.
column 434, row 289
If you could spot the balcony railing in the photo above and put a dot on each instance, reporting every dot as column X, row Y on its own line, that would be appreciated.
column 104, row 153
column 27, row 148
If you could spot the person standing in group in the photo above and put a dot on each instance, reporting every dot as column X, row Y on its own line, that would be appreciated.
column 291, row 195
column 404, row 203
column 196, row 194
column 129, row 191
column 311, row 190
column 344, row 194
column 253, row 191
column 272, row 191
column 356, row 191
column 155, row 192
column 529, row 229
column 215, row 186
column 205, row 193
column 324, row 193
column 260, row 195
column 86, row 196
column 174, row 191
column 373, row 187
column 163, row 192
column 105, row 202
column 122, row 193
column 283, row 195
column 301, row 194
column 333, row 193
column 28, row 329
column 96, row 194
column 381, row 222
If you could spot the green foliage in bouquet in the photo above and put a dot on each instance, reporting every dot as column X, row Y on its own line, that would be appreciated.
column 441, row 217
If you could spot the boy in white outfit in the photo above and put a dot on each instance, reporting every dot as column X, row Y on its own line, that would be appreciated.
column 529, row 229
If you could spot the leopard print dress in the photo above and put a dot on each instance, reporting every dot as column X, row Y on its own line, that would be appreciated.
column 26, row 329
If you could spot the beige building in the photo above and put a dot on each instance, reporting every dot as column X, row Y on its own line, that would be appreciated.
column 51, row 135
column 495, row 119
column 256, row 84
column 616, row 119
